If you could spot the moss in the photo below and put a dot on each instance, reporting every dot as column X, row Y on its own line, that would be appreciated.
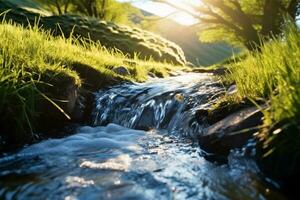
column 225, row 106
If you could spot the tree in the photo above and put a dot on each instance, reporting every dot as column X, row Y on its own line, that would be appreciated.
column 57, row 6
column 108, row 10
column 90, row 7
column 241, row 21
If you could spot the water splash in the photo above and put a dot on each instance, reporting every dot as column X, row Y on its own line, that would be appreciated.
column 168, row 104
column 114, row 162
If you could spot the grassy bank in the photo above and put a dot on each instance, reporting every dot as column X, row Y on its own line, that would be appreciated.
column 272, row 76
column 129, row 40
column 37, row 67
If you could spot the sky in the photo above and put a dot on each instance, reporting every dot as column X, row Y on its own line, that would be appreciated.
column 163, row 10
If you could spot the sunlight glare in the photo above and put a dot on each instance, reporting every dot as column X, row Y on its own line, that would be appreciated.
column 176, row 14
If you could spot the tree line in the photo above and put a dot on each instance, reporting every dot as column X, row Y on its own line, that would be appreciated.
column 241, row 22
column 246, row 22
column 109, row 10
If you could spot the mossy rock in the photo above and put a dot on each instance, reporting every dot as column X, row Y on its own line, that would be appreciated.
column 130, row 41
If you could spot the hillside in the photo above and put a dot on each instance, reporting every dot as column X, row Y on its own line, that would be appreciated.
column 131, row 41
column 196, row 52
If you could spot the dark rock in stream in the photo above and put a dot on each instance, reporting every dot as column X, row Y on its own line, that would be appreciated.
column 147, row 119
column 152, row 75
column 123, row 71
column 231, row 132
column 202, row 116
column 219, row 71
column 232, row 90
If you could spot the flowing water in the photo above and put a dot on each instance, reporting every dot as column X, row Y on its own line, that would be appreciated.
column 113, row 160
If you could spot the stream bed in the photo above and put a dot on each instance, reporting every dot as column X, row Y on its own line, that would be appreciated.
column 141, row 145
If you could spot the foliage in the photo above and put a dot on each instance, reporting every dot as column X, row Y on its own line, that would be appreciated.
column 120, row 13
column 195, row 51
column 22, row 68
column 274, row 74
column 243, row 22
column 108, row 10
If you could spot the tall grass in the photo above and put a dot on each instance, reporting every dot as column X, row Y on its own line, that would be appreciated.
column 273, row 73
column 273, row 76
column 31, row 58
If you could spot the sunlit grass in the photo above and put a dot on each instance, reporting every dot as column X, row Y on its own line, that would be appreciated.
column 30, row 58
column 273, row 76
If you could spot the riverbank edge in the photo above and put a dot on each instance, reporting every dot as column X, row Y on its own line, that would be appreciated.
column 63, row 103
column 40, row 98
column 231, row 125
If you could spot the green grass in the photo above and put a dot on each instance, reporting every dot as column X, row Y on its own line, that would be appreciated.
column 131, row 41
column 32, row 61
column 273, row 76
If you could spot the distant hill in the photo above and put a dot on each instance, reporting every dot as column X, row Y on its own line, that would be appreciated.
column 196, row 52
column 27, row 3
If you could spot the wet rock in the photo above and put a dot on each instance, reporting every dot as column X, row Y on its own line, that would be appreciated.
column 158, row 74
column 202, row 115
column 152, row 75
column 123, row 71
column 232, row 90
column 147, row 120
column 231, row 132
column 172, row 73
column 220, row 71
column 202, row 70
column 215, row 158
column 79, row 107
column 223, row 110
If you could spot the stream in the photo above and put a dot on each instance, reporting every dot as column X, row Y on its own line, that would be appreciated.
column 142, row 145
